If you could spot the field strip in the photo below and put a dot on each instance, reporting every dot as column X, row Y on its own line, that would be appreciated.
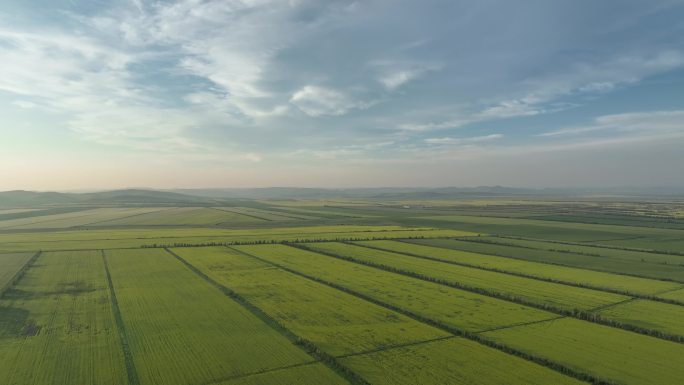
column 125, row 217
column 652, row 251
column 520, row 325
column 19, row 273
column 61, row 328
column 230, row 378
column 623, row 357
column 474, row 240
column 305, row 345
column 243, row 214
column 397, row 346
column 270, row 211
column 182, row 330
column 518, row 243
column 67, row 217
column 652, row 297
column 343, row 324
column 131, row 372
column 43, row 221
column 553, row 365
column 574, row 313
column 227, row 233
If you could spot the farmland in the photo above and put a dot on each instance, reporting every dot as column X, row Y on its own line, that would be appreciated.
column 342, row 292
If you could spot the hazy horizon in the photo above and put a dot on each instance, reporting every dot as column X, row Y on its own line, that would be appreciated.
column 335, row 94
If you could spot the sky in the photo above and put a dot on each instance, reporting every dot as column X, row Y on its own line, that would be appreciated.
column 313, row 93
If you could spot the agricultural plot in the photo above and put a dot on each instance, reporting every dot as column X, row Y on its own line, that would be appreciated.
column 453, row 361
column 587, row 262
column 651, row 315
column 323, row 212
column 541, row 293
column 57, row 325
column 662, row 244
column 554, row 230
column 181, row 330
column 343, row 292
column 677, row 295
column 127, row 238
column 614, row 355
column 184, row 216
column 10, row 265
column 307, row 374
column 338, row 323
column 616, row 253
column 267, row 215
column 558, row 273
column 14, row 211
column 73, row 219
column 457, row 308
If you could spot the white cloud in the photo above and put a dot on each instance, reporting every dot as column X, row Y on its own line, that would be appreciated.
column 546, row 94
column 319, row 101
column 24, row 104
column 642, row 123
column 459, row 141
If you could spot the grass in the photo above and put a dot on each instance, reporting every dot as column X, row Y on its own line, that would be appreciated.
column 453, row 361
column 183, row 216
column 57, row 326
column 181, row 330
column 537, row 292
column 677, row 295
column 612, row 354
column 309, row 374
column 338, row 323
column 396, row 292
column 268, row 215
column 586, row 262
column 10, row 265
column 649, row 315
column 128, row 238
column 72, row 219
column 616, row 253
column 569, row 275
column 458, row 308
column 112, row 239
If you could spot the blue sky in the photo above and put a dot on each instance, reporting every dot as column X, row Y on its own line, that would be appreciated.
column 195, row 93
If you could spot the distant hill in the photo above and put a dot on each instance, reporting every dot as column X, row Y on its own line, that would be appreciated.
column 235, row 196
column 21, row 198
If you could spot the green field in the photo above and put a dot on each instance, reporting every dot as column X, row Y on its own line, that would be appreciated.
column 607, row 353
column 358, row 292
column 528, row 290
column 457, row 308
column 158, row 296
column 338, row 323
column 570, row 275
column 57, row 324
column 454, row 361
column 590, row 262
column 10, row 265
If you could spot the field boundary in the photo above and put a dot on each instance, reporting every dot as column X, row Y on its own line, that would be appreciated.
column 650, row 251
column 126, row 217
column 20, row 273
column 240, row 376
column 397, row 346
column 306, row 345
column 528, row 276
column 583, row 315
column 131, row 371
column 241, row 214
column 553, row 365
column 470, row 239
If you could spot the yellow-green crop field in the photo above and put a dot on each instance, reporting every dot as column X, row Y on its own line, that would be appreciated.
column 342, row 292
